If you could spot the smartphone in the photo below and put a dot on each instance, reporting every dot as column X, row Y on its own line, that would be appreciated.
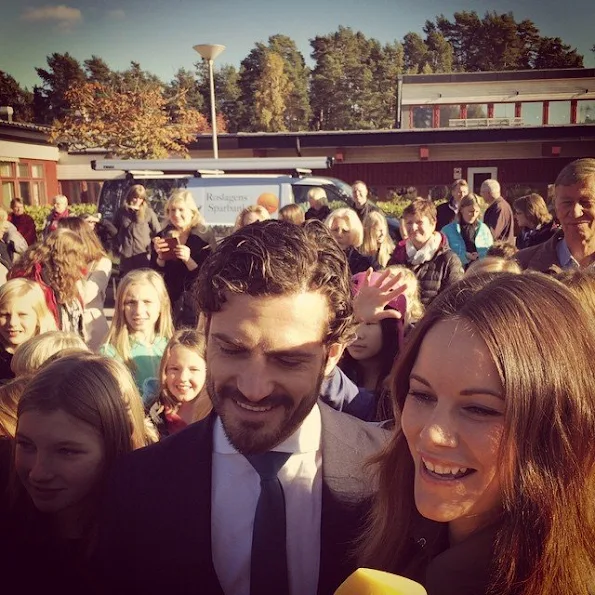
column 171, row 244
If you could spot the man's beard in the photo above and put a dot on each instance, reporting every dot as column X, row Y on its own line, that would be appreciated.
column 254, row 437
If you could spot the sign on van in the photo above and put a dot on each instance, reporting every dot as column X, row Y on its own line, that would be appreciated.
column 220, row 200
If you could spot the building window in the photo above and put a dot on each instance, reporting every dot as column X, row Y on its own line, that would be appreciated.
column 24, row 180
column 37, row 193
column 422, row 116
column 586, row 112
column 448, row 113
column 559, row 112
column 6, row 169
column 7, row 193
column 532, row 113
column 504, row 110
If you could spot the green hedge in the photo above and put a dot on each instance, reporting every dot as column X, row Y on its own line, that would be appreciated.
column 40, row 213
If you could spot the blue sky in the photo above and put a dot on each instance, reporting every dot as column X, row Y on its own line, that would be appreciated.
column 160, row 34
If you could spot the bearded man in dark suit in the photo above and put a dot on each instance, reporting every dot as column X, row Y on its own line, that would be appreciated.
column 187, row 515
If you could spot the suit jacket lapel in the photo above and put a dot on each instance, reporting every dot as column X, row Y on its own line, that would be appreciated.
column 343, row 500
column 191, row 511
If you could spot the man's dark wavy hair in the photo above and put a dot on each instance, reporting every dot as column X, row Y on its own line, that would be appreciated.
column 272, row 258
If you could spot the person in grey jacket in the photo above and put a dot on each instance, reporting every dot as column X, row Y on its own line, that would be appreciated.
column 137, row 224
column 15, row 243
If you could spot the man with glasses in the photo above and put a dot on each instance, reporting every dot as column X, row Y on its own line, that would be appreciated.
column 574, row 245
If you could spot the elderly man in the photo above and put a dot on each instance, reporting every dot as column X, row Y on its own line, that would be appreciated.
column 362, row 205
column 59, row 211
column 498, row 216
column 574, row 245
column 266, row 494
column 447, row 212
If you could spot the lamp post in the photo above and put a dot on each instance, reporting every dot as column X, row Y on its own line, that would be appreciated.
column 209, row 52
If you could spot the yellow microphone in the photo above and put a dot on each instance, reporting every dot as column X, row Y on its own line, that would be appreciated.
column 365, row 581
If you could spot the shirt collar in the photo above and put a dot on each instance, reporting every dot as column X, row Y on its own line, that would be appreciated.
column 565, row 258
column 305, row 439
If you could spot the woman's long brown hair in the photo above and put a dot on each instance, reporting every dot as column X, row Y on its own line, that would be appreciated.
column 543, row 344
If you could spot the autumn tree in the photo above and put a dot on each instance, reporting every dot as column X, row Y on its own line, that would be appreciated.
column 126, row 123
column 50, row 101
column 13, row 95
column 297, row 113
column 271, row 90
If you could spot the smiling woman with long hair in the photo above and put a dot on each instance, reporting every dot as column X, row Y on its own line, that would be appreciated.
column 75, row 418
column 489, row 486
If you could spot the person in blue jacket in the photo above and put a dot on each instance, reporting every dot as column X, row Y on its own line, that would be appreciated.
column 467, row 235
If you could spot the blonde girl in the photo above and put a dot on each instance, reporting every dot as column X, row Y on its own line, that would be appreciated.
column 141, row 326
column 415, row 309
column 23, row 315
column 58, row 265
column 32, row 354
column 10, row 395
column 182, row 394
column 251, row 214
column 95, row 281
column 377, row 241
column 181, row 247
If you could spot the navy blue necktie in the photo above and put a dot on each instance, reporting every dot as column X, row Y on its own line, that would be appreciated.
column 268, row 568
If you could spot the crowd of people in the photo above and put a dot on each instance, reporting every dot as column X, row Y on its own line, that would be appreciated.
column 309, row 395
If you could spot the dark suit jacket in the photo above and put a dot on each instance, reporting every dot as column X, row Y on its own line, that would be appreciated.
column 155, row 536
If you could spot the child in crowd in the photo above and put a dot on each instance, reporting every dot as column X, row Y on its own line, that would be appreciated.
column 58, row 265
column 415, row 309
column 292, row 213
column 493, row 264
column 251, row 214
column 76, row 417
column 377, row 241
column 94, row 283
column 10, row 395
column 32, row 354
column 142, row 325
column 369, row 359
column 182, row 396
column 23, row 314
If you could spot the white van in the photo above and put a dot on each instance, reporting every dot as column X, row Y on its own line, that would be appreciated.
column 220, row 196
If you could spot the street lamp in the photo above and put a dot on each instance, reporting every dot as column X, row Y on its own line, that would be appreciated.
column 209, row 52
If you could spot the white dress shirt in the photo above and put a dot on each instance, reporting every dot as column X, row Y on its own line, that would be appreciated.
column 234, row 495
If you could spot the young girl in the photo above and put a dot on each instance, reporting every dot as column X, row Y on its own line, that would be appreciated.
column 377, row 241
column 368, row 360
column 182, row 395
column 95, row 282
column 75, row 418
column 23, row 314
column 32, row 354
column 58, row 265
column 141, row 326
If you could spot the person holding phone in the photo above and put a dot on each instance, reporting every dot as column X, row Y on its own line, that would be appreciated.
column 136, row 223
column 179, row 251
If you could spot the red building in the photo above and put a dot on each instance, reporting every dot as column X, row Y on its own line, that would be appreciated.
column 518, row 127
